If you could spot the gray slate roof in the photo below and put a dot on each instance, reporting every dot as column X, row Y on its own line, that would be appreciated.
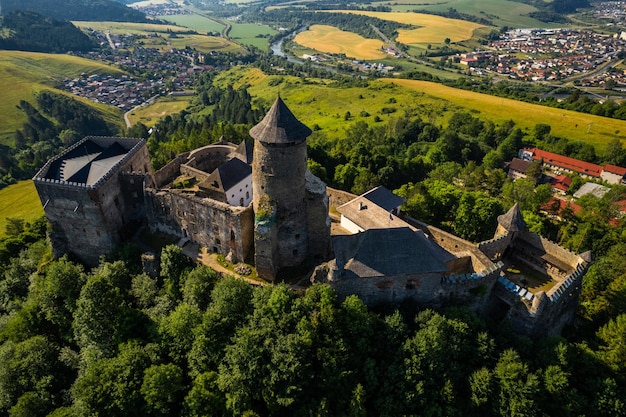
column 228, row 175
column 512, row 220
column 280, row 126
column 384, row 198
column 387, row 252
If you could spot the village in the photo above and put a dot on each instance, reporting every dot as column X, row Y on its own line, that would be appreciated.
column 540, row 55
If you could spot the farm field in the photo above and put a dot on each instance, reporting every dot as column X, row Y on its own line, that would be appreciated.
column 149, row 115
column 23, row 74
column 19, row 201
column 196, row 22
column 315, row 102
column 251, row 34
column 329, row 39
column 433, row 29
column 500, row 12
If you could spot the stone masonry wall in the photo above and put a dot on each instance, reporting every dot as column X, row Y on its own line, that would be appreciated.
column 217, row 226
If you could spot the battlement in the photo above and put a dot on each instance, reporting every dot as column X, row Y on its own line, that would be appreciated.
column 483, row 275
column 93, row 160
column 569, row 284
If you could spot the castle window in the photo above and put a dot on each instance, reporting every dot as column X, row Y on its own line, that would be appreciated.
column 117, row 202
column 219, row 242
column 247, row 194
column 241, row 201
column 295, row 252
column 297, row 235
column 232, row 235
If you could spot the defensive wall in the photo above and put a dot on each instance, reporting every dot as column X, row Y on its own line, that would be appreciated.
column 217, row 226
column 88, row 220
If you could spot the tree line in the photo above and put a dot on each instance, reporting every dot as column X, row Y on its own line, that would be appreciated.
column 55, row 121
column 29, row 31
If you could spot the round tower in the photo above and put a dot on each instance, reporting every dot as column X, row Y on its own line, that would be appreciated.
column 279, row 167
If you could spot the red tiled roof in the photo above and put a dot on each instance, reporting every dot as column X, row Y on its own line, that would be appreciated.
column 562, row 182
column 556, row 206
column 614, row 169
column 621, row 205
column 566, row 162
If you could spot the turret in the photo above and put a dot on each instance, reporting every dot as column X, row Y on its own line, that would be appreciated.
column 279, row 191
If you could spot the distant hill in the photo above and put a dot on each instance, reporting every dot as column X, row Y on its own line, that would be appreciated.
column 90, row 10
column 28, row 31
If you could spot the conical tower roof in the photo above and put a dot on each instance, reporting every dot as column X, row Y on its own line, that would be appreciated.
column 280, row 126
column 512, row 220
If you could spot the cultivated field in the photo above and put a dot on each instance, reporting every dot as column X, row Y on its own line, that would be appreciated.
column 19, row 201
column 500, row 12
column 149, row 115
column 432, row 29
column 251, row 34
column 329, row 39
column 23, row 74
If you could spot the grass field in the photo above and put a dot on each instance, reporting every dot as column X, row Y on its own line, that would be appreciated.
column 19, row 201
column 500, row 12
column 315, row 102
column 433, row 29
column 196, row 22
column 122, row 28
column 329, row 39
column 149, row 115
column 251, row 34
column 595, row 130
column 23, row 74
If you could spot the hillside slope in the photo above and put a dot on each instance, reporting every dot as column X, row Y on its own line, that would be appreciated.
column 94, row 10
column 23, row 74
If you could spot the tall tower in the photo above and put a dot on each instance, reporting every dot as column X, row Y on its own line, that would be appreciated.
column 279, row 169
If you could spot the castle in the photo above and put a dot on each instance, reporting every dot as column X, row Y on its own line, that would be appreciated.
column 260, row 203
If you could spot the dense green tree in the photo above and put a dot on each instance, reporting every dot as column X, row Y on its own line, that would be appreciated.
column 163, row 389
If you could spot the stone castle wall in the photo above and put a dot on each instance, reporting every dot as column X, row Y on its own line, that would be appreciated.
column 86, row 220
column 494, row 248
column 217, row 226
column 170, row 171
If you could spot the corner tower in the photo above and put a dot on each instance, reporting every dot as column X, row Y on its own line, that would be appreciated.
column 279, row 168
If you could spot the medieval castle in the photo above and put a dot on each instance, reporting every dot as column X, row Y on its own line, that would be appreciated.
column 261, row 203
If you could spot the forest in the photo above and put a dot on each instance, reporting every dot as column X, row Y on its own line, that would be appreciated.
column 90, row 10
column 32, row 32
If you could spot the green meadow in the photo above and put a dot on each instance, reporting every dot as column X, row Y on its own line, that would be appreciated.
column 24, row 74
column 251, row 34
column 19, row 201
column 319, row 104
column 196, row 22
column 149, row 115
column 500, row 12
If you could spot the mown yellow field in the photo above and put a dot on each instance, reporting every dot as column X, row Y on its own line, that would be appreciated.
column 433, row 29
column 595, row 130
column 331, row 40
column 149, row 115
column 19, row 201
